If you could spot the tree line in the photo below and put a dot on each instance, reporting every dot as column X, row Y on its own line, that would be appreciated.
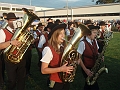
column 106, row 1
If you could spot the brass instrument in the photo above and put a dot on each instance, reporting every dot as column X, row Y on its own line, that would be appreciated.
column 97, row 70
column 108, row 34
column 15, row 54
column 70, row 54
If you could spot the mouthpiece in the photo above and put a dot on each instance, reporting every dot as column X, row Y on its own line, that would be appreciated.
column 67, row 41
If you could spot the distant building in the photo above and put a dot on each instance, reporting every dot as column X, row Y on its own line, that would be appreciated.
column 95, row 12
column 42, row 8
column 17, row 8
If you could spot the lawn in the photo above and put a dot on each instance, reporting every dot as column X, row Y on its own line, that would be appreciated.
column 110, row 81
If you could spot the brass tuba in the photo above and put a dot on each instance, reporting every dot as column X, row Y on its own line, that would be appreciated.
column 70, row 54
column 15, row 54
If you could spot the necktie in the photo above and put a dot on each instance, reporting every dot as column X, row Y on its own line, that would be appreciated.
column 92, row 43
column 13, row 31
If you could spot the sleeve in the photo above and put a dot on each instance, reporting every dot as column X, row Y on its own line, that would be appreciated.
column 2, row 36
column 67, row 32
column 46, row 55
column 42, row 40
column 81, row 47
column 35, row 35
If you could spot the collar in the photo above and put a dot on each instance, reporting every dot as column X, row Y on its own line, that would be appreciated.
column 39, row 31
column 10, row 29
column 60, row 45
column 89, row 40
column 47, row 32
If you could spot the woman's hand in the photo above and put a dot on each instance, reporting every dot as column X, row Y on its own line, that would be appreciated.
column 67, row 69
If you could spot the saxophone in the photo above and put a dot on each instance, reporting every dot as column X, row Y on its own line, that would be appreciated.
column 97, row 70
column 70, row 54
column 15, row 54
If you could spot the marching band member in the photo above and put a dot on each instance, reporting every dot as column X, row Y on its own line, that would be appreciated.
column 4, row 45
column 88, row 52
column 40, row 41
column 70, row 30
column 15, row 72
column 51, row 58
column 102, row 25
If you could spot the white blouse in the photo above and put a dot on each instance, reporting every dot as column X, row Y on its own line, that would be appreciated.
column 46, row 55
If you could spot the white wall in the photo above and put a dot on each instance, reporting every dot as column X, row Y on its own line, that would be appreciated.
column 95, row 9
column 18, row 13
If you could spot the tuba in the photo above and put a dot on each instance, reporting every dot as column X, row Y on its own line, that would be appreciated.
column 70, row 54
column 97, row 69
column 15, row 54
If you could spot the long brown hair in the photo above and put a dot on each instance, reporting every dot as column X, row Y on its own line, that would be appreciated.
column 53, row 41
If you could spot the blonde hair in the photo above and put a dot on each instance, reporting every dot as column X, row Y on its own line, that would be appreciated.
column 53, row 41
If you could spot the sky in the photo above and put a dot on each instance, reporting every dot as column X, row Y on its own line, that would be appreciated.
column 51, row 3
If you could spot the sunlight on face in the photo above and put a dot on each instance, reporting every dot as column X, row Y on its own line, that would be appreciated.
column 103, row 27
column 10, row 23
column 61, row 36
column 94, row 33
column 41, row 28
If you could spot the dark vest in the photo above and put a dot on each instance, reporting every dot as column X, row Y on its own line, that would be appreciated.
column 71, row 33
column 46, row 37
column 102, row 33
column 55, row 62
column 90, row 54
column 100, row 42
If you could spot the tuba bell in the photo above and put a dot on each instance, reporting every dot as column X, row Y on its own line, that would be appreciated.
column 15, row 54
column 70, row 54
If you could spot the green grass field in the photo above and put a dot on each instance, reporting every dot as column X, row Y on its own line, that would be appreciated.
column 110, row 81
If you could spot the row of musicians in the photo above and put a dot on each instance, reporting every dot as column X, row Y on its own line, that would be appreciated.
column 19, row 70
